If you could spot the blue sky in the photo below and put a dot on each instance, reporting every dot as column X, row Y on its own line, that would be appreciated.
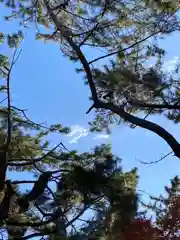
column 45, row 83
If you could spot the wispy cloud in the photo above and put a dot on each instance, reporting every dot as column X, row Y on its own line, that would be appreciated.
column 170, row 65
column 76, row 133
column 101, row 136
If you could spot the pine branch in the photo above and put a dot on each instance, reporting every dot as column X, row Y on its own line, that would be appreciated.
column 33, row 161
column 67, row 35
column 37, row 191
column 154, row 106
column 160, row 131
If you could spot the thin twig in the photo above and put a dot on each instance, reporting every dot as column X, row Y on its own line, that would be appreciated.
column 157, row 161
column 28, row 119
column 145, row 117
column 3, row 100
column 124, row 49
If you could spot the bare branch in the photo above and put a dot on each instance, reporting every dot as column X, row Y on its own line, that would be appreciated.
column 157, row 161
column 155, row 106
column 28, row 119
column 160, row 131
column 124, row 49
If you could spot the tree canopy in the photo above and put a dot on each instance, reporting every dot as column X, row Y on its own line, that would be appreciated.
column 126, row 82
column 128, row 32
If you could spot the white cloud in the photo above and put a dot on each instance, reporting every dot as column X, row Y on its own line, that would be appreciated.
column 101, row 136
column 170, row 65
column 76, row 133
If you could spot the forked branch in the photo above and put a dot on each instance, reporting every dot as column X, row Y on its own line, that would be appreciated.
column 160, row 131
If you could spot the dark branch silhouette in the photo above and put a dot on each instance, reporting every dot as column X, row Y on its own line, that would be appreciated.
column 160, row 131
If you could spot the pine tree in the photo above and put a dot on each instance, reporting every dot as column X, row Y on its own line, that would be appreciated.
column 167, row 209
column 79, row 182
column 126, row 85
column 166, row 217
